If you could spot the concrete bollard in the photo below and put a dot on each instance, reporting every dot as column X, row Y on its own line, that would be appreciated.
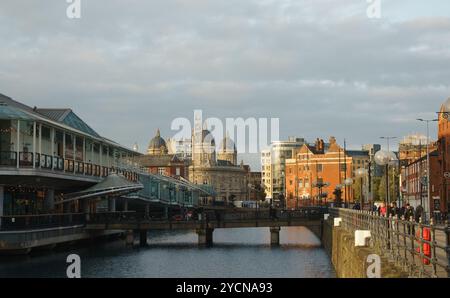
column 362, row 237
column 337, row 221
column 275, row 236
column 129, row 238
column 325, row 216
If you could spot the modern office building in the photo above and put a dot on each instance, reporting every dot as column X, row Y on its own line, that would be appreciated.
column 266, row 172
column 274, row 173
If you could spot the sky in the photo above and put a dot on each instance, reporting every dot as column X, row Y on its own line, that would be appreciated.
column 321, row 66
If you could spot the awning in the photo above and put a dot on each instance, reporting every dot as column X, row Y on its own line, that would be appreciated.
column 113, row 185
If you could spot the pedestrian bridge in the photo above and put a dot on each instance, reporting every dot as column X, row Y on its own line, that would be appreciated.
column 208, row 220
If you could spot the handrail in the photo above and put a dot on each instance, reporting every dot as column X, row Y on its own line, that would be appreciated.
column 412, row 245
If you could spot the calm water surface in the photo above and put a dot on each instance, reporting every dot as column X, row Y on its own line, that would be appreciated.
column 236, row 253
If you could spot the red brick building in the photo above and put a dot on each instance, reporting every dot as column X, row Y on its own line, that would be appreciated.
column 321, row 163
column 159, row 161
column 415, row 188
column 444, row 157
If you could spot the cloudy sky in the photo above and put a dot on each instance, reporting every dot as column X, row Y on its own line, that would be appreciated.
column 321, row 66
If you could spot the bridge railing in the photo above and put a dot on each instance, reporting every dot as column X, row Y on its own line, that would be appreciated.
column 28, row 222
column 310, row 213
column 421, row 249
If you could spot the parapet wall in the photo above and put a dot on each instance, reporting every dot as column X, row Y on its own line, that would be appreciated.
column 350, row 261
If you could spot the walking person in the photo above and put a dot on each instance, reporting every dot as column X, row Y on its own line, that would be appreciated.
column 409, row 213
column 419, row 213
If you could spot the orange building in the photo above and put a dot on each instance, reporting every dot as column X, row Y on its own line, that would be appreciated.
column 444, row 157
column 326, row 164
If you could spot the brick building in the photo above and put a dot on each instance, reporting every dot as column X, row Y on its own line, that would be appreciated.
column 415, row 188
column 159, row 161
column 315, row 164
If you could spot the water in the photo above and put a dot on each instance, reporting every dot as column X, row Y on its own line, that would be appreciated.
column 239, row 253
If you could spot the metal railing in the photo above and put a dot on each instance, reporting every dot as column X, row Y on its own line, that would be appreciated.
column 310, row 213
column 28, row 222
column 48, row 162
column 421, row 249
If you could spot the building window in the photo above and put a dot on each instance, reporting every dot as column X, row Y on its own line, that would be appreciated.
column 161, row 171
column 319, row 167
column 177, row 171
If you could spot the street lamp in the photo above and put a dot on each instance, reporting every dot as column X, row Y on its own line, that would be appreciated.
column 427, row 121
column 347, row 182
column 385, row 158
column 361, row 173
column 387, row 140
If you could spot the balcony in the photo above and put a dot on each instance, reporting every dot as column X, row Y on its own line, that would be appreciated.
column 36, row 161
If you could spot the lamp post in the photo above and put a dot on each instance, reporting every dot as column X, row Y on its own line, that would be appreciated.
column 361, row 173
column 347, row 182
column 387, row 140
column 427, row 121
column 384, row 158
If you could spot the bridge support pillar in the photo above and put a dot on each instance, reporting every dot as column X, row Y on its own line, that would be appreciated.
column 49, row 200
column 166, row 212
column 275, row 236
column 2, row 199
column 143, row 237
column 85, row 208
column 112, row 205
column 205, row 237
column 129, row 238
column 147, row 210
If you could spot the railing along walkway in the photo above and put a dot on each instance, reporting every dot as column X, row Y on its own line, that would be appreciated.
column 421, row 249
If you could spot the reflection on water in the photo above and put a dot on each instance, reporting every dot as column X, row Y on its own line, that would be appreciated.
column 243, row 252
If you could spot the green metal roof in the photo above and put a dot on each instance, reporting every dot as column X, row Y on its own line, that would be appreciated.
column 9, row 112
column 74, row 121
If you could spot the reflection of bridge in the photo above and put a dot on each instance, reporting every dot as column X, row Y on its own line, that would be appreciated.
column 310, row 217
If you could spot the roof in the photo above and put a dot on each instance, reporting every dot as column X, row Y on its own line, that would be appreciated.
column 356, row 153
column 12, row 109
column 54, row 114
column 159, row 160
column 9, row 112
column 113, row 185
column 68, row 117
column 225, row 163
column 157, row 141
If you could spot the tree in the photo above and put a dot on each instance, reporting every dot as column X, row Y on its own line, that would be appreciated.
column 357, row 190
column 375, row 188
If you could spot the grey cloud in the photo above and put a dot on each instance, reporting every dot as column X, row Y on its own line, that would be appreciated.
column 321, row 66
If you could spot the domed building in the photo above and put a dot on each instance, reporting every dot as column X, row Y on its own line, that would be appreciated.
column 203, row 148
column 227, row 151
column 228, row 180
column 159, row 161
column 157, row 145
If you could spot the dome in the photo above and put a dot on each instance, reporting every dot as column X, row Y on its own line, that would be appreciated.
column 227, row 145
column 207, row 137
column 446, row 106
column 157, row 144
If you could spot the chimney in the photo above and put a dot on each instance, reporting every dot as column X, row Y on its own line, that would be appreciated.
column 317, row 144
